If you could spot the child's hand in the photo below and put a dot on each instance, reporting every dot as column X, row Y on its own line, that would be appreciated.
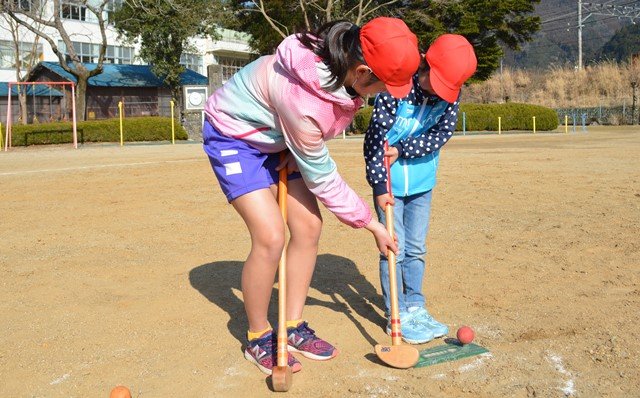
column 392, row 153
column 382, row 200
column 289, row 162
column 382, row 237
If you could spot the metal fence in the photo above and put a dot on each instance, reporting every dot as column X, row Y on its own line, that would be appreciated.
column 616, row 115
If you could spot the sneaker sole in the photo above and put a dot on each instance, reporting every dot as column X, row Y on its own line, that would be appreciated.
column 437, row 336
column 309, row 355
column 267, row 371
column 410, row 341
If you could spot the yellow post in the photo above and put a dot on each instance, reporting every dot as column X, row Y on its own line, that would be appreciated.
column 121, row 135
column 173, row 129
column 499, row 125
column 1, row 138
column 534, row 125
column 566, row 124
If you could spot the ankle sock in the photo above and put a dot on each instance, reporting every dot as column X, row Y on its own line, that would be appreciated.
column 294, row 323
column 255, row 335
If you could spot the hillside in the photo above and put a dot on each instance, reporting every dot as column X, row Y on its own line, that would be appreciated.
column 557, row 42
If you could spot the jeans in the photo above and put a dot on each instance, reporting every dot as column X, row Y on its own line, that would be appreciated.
column 411, row 224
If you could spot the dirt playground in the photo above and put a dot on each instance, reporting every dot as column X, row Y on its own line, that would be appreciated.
column 122, row 266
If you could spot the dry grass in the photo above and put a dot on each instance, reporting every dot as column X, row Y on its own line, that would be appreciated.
column 605, row 84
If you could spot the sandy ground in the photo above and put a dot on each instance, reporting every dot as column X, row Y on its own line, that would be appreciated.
column 121, row 266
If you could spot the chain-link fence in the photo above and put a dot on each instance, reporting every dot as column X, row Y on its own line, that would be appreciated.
column 616, row 115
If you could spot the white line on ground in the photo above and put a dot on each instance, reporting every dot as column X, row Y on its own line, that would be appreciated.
column 60, row 379
column 97, row 166
column 569, row 384
column 475, row 364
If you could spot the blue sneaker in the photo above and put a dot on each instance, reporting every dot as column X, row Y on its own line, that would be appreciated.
column 413, row 332
column 422, row 316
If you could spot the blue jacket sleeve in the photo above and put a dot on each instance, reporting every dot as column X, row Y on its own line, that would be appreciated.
column 434, row 138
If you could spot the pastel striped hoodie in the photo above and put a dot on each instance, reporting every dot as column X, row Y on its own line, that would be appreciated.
column 277, row 102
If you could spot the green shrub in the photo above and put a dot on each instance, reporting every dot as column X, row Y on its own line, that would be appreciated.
column 151, row 128
column 514, row 116
column 361, row 120
column 484, row 117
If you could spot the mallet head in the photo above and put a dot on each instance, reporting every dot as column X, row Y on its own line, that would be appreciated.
column 281, row 378
column 398, row 356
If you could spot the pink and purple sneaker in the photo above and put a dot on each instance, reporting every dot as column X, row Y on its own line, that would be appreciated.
column 263, row 353
column 303, row 339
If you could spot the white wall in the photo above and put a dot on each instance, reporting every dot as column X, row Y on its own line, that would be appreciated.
column 89, row 32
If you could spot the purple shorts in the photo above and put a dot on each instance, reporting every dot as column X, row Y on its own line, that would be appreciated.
column 239, row 167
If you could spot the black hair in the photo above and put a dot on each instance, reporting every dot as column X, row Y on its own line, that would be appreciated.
column 337, row 43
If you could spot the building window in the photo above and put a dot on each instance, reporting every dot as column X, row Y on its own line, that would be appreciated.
column 76, row 10
column 192, row 61
column 110, row 8
column 230, row 65
column 29, row 54
column 24, row 5
column 89, row 53
column 119, row 55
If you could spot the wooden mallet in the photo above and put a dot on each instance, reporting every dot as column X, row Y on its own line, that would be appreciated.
column 396, row 355
column 281, row 376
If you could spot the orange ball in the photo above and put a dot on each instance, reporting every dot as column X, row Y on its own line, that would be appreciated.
column 465, row 335
column 120, row 392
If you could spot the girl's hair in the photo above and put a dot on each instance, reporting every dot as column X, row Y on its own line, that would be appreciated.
column 337, row 43
column 424, row 65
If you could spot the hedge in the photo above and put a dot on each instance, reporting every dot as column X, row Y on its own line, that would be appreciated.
column 484, row 117
column 514, row 116
column 361, row 120
column 152, row 128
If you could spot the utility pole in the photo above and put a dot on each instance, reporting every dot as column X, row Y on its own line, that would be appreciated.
column 634, row 105
column 631, row 12
column 580, row 20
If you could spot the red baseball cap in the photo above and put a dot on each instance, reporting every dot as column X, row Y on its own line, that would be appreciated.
column 390, row 49
column 452, row 61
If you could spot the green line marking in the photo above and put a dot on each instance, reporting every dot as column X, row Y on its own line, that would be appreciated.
column 448, row 352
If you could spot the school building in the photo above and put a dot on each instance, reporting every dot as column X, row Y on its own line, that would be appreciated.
column 136, row 84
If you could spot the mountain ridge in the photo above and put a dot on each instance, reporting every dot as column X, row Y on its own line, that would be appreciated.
column 556, row 44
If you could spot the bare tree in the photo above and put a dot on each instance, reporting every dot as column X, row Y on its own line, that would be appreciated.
column 26, row 53
column 326, row 10
column 49, row 26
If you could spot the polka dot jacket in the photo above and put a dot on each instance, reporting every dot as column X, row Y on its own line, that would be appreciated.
column 420, row 138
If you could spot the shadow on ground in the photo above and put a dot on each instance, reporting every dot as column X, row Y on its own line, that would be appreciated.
column 349, row 292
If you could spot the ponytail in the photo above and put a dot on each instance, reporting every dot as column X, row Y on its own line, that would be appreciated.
column 337, row 43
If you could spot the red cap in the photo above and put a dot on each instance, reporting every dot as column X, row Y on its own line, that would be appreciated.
column 452, row 62
column 390, row 49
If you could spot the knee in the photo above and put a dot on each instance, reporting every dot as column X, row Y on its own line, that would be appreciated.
column 415, row 249
column 308, row 231
column 415, row 254
column 269, row 243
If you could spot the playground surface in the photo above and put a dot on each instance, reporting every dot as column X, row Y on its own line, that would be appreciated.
column 122, row 266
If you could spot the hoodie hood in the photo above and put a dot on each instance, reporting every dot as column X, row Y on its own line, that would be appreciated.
column 300, row 63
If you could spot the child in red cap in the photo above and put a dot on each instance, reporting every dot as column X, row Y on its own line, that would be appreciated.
column 416, row 127
column 293, row 102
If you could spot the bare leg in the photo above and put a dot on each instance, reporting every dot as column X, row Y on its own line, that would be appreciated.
column 305, row 224
column 260, row 212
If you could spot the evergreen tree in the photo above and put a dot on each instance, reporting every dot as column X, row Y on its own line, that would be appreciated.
column 487, row 24
column 624, row 44
column 163, row 28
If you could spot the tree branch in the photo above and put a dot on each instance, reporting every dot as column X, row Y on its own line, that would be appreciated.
column 270, row 20
column 306, row 17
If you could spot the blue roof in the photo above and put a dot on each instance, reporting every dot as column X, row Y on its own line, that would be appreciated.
column 118, row 75
column 39, row 90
